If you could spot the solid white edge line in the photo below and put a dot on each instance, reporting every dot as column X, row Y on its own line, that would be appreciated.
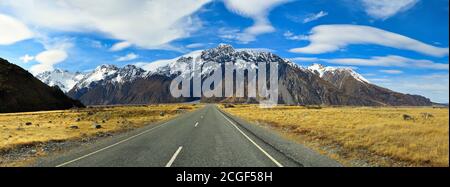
column 196, row 124
column 100, row 150
column 174, row 157
column 253, row 142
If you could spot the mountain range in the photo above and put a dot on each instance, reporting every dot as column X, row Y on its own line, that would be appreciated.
column 149, row 83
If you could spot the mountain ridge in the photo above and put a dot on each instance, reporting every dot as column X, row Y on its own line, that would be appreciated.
column 316, row 84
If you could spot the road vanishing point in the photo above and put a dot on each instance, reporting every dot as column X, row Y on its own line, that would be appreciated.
column 207, row 137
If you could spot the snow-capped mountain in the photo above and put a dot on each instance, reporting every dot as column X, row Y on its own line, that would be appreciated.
column 110, row 74
column 65, row 80
column 223, row 53
column 327, row 72
column 149, row 82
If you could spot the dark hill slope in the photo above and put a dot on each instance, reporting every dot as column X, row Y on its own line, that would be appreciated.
column 20, row 91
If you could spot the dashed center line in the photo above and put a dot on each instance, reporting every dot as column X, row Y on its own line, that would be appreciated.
column 174, row 157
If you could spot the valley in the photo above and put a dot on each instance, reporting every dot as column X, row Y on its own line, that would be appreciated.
column 326, row 116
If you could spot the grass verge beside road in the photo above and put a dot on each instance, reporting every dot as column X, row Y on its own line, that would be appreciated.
column 361, row 136
column 25, row 136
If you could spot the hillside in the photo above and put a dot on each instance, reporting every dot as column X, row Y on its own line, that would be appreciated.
column 21, row 92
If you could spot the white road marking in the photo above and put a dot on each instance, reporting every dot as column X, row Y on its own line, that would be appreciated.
column 174, row 157
column 100, row 150
column 253, row 142
column 196, row 124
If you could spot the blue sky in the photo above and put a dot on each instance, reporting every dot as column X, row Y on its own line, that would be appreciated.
column 401, row 45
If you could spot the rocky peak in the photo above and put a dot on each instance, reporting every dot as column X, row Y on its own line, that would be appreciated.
column 328, row 73
column 106, row 67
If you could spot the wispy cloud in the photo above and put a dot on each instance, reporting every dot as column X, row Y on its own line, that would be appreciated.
column 389, row 61
column 330, row 38
column 12, row 30
column 128, row 57
column 314, row 17
column 195, row 45
column 117, row 19
column 55, row 52
column 384, row 9
column 291, row 36
column 258, row 11
column 305, row 59
column 391, row 71
column 379, row 61
column 120, row 46
column 47, row 60
column 26, row 58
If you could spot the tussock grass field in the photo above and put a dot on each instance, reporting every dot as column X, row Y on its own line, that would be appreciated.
column 28, row 129
column 361, row 136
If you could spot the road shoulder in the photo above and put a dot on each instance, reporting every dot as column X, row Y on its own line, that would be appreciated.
column 297, row 152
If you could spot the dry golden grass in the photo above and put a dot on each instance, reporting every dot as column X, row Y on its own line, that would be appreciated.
column 374, row 136
column 56, row 125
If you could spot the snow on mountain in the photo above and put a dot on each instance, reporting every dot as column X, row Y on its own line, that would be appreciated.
column 221, row 54
column 243, row 58
column 108, row 84
column 322, row 70
column 110, row 74
column 65, row 80
column 169, row 66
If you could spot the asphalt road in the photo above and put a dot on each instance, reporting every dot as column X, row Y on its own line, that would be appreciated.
column 203, row 138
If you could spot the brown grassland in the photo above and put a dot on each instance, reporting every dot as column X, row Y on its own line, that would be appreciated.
column 361, row 136
column 23, row 129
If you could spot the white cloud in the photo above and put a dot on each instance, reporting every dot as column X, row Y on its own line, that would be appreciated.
column 47, row 60
column 330, row 38
column 391, row 71
column 195, row 45
column 26, row 58
column 291, row 36
column 96, row 44
column 128, row 57
column 314, row 17
column 305, row 59
column 258, row 11
column 120, row 46
column 146, row 23
column 55, row 52
column 230, row 34
column 388, row 61
column 384, row 9
column 369, row 74
column 59, row 43
column 12, row 30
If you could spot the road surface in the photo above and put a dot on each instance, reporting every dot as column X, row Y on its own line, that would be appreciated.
column 203, row 138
